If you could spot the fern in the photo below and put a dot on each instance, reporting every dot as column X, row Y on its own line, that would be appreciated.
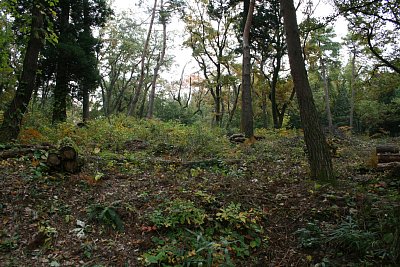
column 107, row 215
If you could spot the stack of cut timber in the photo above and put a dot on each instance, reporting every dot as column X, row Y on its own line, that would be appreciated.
column 388, row 156
column 65, row 159
column 237, row 138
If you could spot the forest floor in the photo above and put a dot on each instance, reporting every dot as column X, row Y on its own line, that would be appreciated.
column 140, row 205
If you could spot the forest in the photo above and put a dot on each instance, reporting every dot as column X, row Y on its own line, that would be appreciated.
column 200, row 133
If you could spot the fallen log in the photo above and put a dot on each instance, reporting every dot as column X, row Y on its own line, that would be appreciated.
column 19, row 152
column 388, row 166
column 387, row 149
column 386, row 158
column 198, row 163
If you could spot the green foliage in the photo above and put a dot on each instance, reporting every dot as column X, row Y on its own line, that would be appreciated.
column 197, row 237
column 108, row 215
column 177, row 212
column 349, row 237
column 9, row 244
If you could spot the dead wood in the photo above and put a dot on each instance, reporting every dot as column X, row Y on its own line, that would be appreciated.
column 384, row 149
column 388, row 166
column 386, row 158
column 19, row 152
column 68, row 153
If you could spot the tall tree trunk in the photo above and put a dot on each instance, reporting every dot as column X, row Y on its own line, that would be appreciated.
column 160, row 61
column 326, row 95
column 318, row 151
column 247, row 108
column 61, row 89
column 10, row 127
column 135, row 98
column 87, row 85
column 352, row 82
column 274, row 82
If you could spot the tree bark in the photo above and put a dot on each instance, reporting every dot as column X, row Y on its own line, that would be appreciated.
column 160, row 61
column 318, row 151
column 61, row 89
column 11, row 125
column 135, row 98
column 247, row 108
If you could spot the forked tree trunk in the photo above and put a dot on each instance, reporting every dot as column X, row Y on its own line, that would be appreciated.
column 160, row 61
column 247, row 108
column 318, row 151
column 11, row 125
column 135, row 98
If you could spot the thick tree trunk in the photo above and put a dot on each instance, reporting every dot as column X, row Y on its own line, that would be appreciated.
column 247, row 108
column 318, row 151
column 61, row 90
column 10, row 127
column 135, row 98
column 160, row 61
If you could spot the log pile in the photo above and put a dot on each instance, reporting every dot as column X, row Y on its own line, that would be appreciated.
column 388, row 157
column 65, row 159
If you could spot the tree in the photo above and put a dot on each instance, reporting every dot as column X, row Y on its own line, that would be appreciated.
column 10, row 127
column 378, row 23
column 119, row 59
column 318, row 151
column 247, row 106
column 322, row 55
column 160, row 60
column 210, row 25
column 76, row 62
column 138, row 89
column 61, row 89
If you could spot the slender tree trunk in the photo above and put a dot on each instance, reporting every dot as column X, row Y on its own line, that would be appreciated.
column 135, row 98
column 327, row 98
column 264, row 98
column 85, row 103
column 61, row 89
column 12, row 120
column 352, row 82
column 235, row 102
column 281, row 113
column 274, row 82
column 247, row 108
column 318, row 151
column 160, row 61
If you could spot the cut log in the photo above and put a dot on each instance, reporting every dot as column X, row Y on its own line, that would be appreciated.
column 388, row 166
column 53, row 160
column 71, row 166
column 386, row 158
column 68, row 153
column 385, row 149
column 237, row 138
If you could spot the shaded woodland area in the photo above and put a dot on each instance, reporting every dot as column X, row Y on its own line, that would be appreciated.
column 275, row 144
